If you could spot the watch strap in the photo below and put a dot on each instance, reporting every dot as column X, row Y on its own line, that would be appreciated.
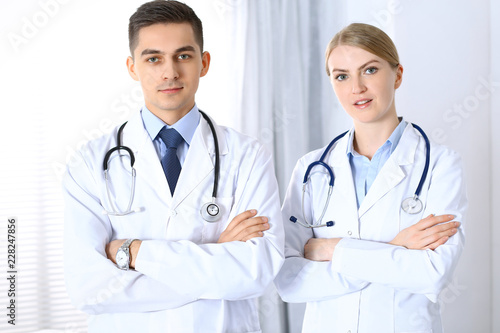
column 127, row 243
column 126, row 248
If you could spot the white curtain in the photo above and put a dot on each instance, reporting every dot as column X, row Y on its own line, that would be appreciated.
column 66, row 83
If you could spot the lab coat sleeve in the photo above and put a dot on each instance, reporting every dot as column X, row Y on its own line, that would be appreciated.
column 95, row 285
column 300, row 279
column 414, row 271
column 233, row 270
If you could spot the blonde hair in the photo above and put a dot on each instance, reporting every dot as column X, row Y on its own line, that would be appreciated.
column 366, row 37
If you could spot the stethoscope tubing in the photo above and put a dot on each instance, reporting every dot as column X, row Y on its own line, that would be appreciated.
column 208, row 216
column 415, row 200
column 427, row 160
column 217, row 158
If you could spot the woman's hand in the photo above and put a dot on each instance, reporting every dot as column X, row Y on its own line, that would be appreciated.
column 320, row 249
column 427, row 233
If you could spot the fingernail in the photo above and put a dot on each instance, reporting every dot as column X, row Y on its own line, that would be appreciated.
column 253, row 211
column 452, row 216
column 261, row 233
column 264, row 219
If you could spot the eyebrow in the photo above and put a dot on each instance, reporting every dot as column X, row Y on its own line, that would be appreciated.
column 185, row 48
column 150, row 51
column 179, row 50
column 360, row 67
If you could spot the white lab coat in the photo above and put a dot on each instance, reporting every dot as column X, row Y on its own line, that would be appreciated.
column 183, row 282
column 371, row 286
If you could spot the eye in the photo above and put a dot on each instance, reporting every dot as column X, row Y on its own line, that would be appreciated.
column 371, row 70
column 184, row 57
column 153, row 60
column 341, row 77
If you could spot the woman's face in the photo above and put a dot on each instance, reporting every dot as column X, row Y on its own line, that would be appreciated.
column 364, row 83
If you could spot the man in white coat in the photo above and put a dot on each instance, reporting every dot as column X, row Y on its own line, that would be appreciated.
column 152, row 262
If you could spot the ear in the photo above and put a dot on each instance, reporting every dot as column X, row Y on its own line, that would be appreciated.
column 399, row 77
column 205, row 62
column 131, row 69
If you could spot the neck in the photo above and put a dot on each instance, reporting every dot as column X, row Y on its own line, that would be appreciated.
column 170, row 117
column 368, row 138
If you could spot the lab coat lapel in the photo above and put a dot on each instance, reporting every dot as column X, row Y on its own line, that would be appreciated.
column 392, row 173
column 147, row 162
column 199, row 162
column 344, row 184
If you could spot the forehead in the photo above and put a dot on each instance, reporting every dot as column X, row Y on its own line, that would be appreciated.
column 348, row 57
column 166, row 37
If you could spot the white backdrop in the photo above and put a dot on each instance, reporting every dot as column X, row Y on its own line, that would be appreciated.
column 64, row 81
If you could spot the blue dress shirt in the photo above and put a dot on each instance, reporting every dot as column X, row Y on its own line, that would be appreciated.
column 186, row 126
column 365, row 171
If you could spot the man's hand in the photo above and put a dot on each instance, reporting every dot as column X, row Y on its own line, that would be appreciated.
column 320, row 249
column 244, row 226
column 427, row 233
column 114, row 245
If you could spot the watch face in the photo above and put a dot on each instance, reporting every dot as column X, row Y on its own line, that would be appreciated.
column 121, row 258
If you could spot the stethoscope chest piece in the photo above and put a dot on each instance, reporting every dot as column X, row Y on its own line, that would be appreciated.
column 211, row 212
column 412, row 205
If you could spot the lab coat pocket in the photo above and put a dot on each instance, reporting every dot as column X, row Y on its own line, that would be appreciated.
column 212, row 230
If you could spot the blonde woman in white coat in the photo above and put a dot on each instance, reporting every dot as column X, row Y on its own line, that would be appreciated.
column 378, row 269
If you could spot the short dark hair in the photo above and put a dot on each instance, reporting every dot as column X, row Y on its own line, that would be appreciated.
column 163, row 11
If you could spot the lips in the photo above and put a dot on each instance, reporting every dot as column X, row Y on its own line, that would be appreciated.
column 363, row 103
column 171, row 90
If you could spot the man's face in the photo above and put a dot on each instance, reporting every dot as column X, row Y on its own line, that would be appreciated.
column 168, row 63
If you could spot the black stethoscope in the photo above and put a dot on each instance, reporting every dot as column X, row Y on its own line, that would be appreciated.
column 411, row 205
column 211, row 211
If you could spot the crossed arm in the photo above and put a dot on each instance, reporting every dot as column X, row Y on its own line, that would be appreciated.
column 343, row 266
column 429, row 233
column 179, row 271
column 243, row 227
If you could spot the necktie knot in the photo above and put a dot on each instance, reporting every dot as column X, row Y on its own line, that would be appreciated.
column 170, row 137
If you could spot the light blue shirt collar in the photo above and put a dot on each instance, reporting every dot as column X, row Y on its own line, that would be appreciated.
column 364, row 171
column 393, row 140
column 186, row 126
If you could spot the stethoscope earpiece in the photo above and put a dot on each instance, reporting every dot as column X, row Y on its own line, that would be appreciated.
column 307, row 225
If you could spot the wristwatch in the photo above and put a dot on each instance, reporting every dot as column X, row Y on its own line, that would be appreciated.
column 123, row 255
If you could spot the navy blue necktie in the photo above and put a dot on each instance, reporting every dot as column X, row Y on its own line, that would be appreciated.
column 170, row 162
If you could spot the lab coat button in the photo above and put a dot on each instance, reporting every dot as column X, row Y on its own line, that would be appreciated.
column 349, row 233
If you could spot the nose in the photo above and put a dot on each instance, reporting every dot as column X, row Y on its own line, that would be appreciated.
column 170, row 71
column 358, row 87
